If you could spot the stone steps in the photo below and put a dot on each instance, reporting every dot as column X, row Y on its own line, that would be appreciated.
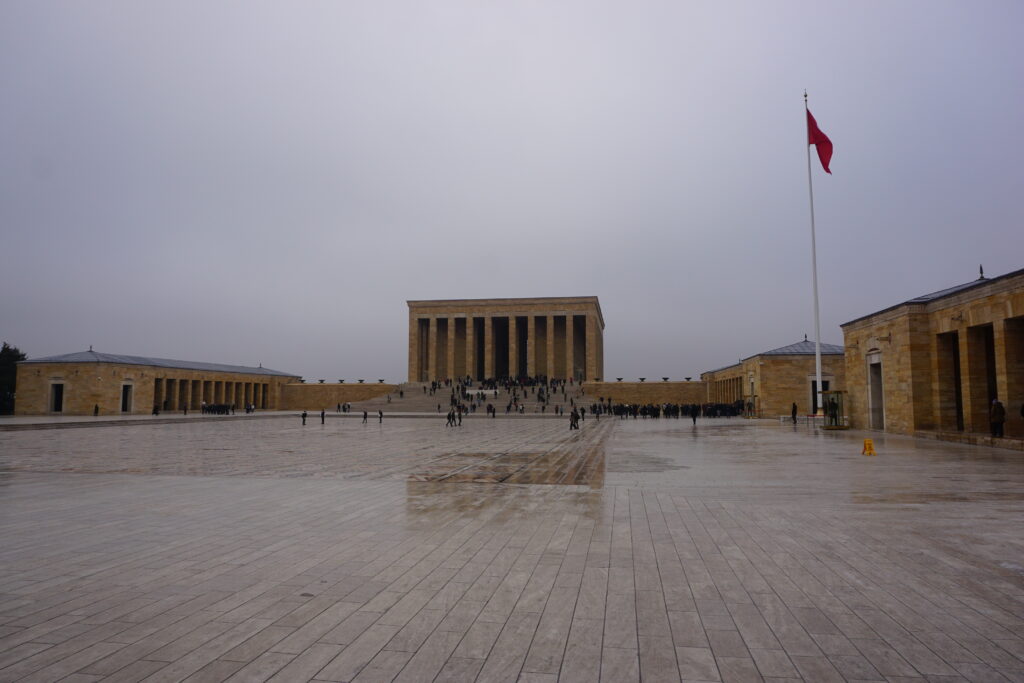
column 416, row 401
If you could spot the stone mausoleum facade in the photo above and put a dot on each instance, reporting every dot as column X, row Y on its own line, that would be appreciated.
column 557, row 337
column 772, row 381
column 932, row 365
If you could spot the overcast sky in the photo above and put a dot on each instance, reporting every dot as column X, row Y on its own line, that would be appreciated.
column 269, row 182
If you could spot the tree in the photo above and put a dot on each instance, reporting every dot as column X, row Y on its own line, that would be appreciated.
column 9, row 356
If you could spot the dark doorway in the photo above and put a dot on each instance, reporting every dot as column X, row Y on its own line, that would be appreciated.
column 579, row 347
column 876, row 394
column 522, row 327
column 814, row 394
column 500, row 345
column 126, row 398
column 478, row 349
column 57, row 398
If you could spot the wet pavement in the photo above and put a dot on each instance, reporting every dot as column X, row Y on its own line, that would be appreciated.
column 506, row 550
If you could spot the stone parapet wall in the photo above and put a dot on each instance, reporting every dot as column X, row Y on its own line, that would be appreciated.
column 643, row 393
column 316, row 397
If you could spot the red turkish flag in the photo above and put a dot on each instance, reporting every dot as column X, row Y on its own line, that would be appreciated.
column 820, row 141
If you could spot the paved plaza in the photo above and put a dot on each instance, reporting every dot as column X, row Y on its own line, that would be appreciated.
column 505, row 550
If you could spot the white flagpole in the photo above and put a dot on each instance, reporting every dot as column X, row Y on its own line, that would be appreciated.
column 814, row 267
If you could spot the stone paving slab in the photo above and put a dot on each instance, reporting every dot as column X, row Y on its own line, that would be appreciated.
column 260, row 549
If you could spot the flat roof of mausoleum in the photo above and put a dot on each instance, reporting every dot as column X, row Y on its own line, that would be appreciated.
column 550, row 301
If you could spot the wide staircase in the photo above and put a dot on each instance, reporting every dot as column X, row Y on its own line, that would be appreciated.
column 413, row 399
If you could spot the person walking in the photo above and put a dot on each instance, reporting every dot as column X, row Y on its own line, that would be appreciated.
column 364, row 417
column 380, row 417
column 303, row 418
column 322, row 416
column 997, row 416
column 792, row 413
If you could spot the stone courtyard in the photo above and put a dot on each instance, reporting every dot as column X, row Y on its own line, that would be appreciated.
column 505, row 550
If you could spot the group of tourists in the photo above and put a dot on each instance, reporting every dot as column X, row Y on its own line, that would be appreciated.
column 222, row 408
column 454, row 418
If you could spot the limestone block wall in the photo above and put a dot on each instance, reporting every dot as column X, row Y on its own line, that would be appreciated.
column 316, row 397
column 642, row 393
column 785, row 380
column 89, row 385
column 778, row 381
column 886, row 337
column 966, row 347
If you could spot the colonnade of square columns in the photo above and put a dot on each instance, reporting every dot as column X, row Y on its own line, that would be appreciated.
column 975, row 365
column 559, row 345
column 174, row 393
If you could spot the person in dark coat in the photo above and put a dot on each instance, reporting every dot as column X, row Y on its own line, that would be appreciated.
column 322, row 416
column 997, row 416
column 303, row 417
column 792, row 413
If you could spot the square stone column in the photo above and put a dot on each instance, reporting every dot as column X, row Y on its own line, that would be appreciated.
column 432, row 351
column 488, row 347
column 513, row 347
column 470, row 347
column 550, row 350
column 590, row 364
column 531, row 346
column 414, row 349
column 1008, row 335
column 569, row 346
column 450, row 369
column 973, row 381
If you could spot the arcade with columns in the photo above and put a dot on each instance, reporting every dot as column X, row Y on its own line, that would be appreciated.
column 557, row 337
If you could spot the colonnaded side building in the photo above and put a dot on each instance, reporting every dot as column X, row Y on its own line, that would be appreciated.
column 557, row 337
column 933, row 365
column 89, row 381
column 772, row 381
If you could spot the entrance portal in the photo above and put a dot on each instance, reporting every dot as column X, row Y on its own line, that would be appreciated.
column 875, row 393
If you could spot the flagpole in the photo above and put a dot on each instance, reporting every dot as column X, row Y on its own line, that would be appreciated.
column 814, row 268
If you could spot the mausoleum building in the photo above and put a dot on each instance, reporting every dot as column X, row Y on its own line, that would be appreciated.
column 557, row 337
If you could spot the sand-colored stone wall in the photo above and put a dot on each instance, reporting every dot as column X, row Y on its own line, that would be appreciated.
column 643, row 393
column 785, row 380
column 778, row 381
column 316, row 397
column 978, row 333
column 89, row 386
